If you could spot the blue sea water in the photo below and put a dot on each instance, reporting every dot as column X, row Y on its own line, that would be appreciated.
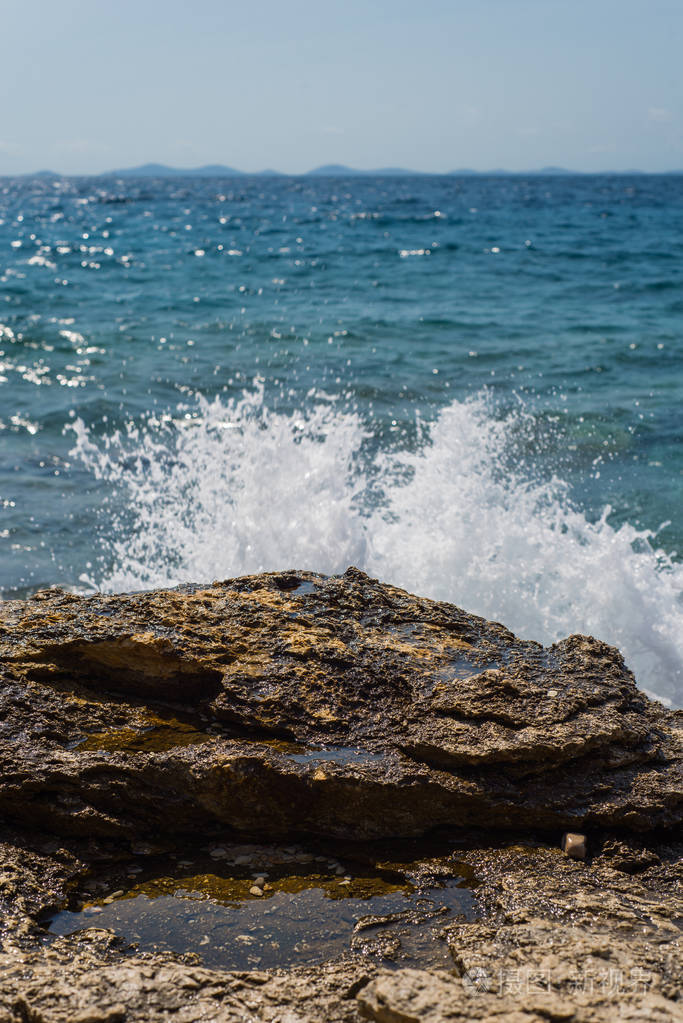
column 469, row 386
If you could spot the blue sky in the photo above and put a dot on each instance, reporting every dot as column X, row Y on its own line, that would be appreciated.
column 90, row 85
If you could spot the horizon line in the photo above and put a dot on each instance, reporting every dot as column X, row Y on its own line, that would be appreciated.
column 153, row 169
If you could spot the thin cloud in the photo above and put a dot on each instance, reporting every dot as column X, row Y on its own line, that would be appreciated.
column 661, row 115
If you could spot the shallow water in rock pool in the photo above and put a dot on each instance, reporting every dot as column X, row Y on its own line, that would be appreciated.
column 298, row 919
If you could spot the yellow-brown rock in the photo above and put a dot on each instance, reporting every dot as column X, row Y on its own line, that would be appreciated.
column 338, row 710
column 335, row 706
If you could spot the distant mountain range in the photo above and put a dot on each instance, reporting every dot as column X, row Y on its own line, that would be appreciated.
column 330, row 170
column 161, row 170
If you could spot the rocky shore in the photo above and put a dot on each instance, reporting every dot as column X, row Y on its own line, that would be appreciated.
column 319, row 753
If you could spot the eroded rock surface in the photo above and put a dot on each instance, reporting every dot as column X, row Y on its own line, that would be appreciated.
column 430, row 716
column 556, row 940
column 297, row 708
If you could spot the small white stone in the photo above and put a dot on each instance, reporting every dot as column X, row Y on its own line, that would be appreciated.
column 219, row 853
column 255, row 891
column 552, row 692
column 574, row 845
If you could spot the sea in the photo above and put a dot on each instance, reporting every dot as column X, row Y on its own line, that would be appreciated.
column 468, row 386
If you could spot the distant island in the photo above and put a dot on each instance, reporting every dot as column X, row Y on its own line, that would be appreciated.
column 330, row 170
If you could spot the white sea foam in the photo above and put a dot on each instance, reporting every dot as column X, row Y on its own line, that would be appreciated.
column 237, row 488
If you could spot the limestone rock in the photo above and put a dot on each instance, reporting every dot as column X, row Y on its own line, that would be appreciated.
column 335, row 710
column 338, row 706
column 555, row 940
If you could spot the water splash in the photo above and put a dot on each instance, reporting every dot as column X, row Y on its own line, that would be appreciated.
column 468, row 529
column 232, row 487
column 229, row 489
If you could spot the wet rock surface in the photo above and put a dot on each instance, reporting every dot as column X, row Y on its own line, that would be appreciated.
column 139, row 732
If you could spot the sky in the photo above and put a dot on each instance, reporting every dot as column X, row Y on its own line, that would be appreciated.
column 433, row 85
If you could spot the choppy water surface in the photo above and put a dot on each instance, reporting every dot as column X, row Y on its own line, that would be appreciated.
column 470, row 387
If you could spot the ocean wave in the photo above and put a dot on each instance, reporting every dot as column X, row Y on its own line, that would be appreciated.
column 229, row 487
